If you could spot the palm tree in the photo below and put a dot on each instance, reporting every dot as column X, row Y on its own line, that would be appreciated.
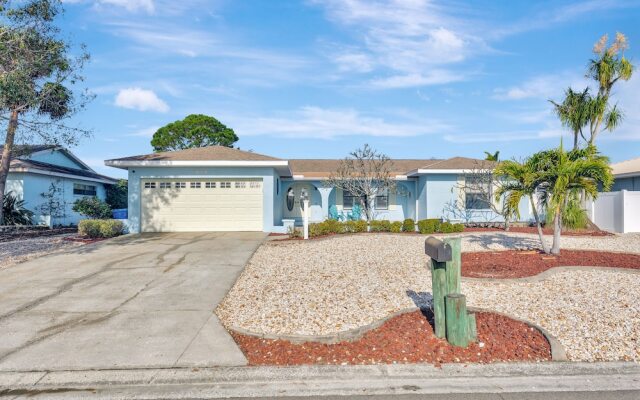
column 520, row 181
column 492, row 157
column 561, row 175
column 574, row 112
column 14, row 211
column 608, row 67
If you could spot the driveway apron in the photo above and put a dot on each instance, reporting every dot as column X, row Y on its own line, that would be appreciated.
column 139, row 301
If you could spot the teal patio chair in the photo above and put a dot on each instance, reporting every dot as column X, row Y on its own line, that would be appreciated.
column 335, row 214
column 356, row 213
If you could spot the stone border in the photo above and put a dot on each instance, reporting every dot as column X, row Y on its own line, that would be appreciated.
column 558, row 352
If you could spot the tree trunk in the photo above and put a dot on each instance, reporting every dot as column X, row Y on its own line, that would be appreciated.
column 506, row 224
column 557, row 229
column 545, row 248
column 6, row 158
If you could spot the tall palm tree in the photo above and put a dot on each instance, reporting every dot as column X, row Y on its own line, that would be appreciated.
column 520, row 181
column 574, row 112
column 607, row 67
column 561, row 175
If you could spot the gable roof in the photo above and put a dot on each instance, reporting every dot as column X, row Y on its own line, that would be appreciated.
column 22, row 150
column 460, row 163
column 38, row 167
column 626, row 168
column 209, row 153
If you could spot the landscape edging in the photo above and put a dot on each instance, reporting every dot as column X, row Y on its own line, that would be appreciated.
column 558, row 352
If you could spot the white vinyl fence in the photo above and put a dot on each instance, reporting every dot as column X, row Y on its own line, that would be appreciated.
column 616, row 211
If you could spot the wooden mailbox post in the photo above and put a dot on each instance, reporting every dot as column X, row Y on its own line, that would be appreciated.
column 452, row 321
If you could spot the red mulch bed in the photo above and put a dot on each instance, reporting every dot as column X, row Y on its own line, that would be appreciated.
column 545, row 231
column 519, row 264
column 407, row 338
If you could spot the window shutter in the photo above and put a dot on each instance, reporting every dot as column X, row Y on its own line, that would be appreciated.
column 339, row 199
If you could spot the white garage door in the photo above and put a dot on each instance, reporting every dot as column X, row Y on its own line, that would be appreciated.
column 194, row 205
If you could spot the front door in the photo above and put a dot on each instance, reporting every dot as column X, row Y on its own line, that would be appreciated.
column 292, row 203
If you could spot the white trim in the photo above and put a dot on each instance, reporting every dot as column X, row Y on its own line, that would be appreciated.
column 62, row 175
column 206, row 163
column 627, row 175
column 438, row 171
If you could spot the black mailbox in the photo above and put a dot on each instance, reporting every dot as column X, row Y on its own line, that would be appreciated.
column 437, row 249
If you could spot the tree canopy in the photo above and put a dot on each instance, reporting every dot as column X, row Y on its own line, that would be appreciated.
column 38, row 78
column 196, row 130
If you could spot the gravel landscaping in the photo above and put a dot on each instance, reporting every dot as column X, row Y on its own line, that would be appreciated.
column 327, row 286
column 17, row 251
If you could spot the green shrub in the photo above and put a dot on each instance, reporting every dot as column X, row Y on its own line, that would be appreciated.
column 427, row 226
column 100, row 228
column 294, row 233
column 408, row 225
column 458, row 228
column 328, row 227
column 14, row 212
column 92, row 207
column 396, row 227
column 380, row 226
column 355, row 226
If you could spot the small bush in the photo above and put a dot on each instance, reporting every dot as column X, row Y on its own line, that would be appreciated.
column 446, row 227
column 458, row 228
column 355, row 226
column 396, row 227
column 100, row 228
column 92, row 207
column 408, row 225
column 328, row 227
column 427, row 226
column 294, row 233
column 380, row 226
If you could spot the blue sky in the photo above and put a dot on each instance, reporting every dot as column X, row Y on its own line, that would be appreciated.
column 318, row 78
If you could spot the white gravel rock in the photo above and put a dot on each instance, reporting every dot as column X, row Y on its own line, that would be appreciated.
column 321, row 287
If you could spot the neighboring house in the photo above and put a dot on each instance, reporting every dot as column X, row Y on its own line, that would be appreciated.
column 627, row 175
column 222, row 189
column 50, row 179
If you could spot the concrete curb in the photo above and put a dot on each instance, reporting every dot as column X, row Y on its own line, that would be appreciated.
column 323, row 380
column 558, row 352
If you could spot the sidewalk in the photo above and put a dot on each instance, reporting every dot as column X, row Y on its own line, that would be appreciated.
column 177, row 383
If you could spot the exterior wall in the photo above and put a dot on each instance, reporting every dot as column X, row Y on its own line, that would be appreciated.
column 31, row 186
column 630, row 183
column 400, row 206
column 55, row 157
column 439, row 197
column 267, row 175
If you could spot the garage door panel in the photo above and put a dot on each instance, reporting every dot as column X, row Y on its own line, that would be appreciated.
column 192, row 208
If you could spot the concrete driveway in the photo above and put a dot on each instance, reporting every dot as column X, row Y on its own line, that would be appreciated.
column 133, row 302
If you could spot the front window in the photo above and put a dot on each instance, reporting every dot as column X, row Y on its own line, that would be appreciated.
column 477, row 193
column 86, row 190
column 349, row 200
column 382, row 200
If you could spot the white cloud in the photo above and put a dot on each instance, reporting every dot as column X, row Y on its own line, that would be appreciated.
column 507, row 136
column 404, row 39
column 542, row 87
column 323, row 123
column 140, row 99
column 433, row 77
column 131, row 5
column 145, row 132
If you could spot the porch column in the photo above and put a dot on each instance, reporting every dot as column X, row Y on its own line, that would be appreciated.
column 324, row 196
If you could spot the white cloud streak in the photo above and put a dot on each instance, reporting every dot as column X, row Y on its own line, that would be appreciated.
column 324, row 123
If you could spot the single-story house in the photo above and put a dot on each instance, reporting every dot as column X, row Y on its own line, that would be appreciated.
column 50, row 179
column 223, row 189
column 627, row 175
